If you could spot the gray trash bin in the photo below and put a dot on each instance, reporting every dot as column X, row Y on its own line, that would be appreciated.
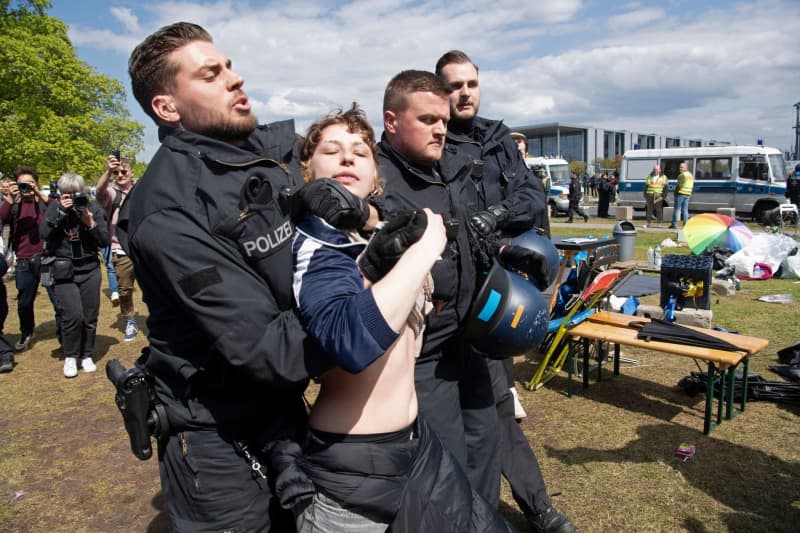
column 625, row 235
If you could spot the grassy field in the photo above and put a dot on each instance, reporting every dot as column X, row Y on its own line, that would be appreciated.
column 607, row 454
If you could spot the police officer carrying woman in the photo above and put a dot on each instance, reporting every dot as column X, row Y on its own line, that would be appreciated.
column 74, row 230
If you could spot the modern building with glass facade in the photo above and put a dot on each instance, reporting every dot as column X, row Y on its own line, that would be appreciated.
column 588, row 144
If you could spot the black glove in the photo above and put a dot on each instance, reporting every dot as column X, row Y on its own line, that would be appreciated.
column 329, row 200
column 390, row 242
column 528, row 262
column 485, row 222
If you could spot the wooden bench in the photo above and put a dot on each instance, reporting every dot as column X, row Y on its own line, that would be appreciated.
column 616, row 328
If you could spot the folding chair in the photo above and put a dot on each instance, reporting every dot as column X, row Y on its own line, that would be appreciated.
column 788, row 216
column 592, row 284
column 557, row 345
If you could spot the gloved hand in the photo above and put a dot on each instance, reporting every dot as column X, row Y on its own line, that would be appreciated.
column 390, row 242
column 529, row 262
column 329, row 200
column 485, row 222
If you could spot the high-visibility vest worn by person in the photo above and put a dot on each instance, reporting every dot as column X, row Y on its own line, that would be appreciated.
column 685, row 183
column 655, row 184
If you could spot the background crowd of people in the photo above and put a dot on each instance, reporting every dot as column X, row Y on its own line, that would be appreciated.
column 57, row 239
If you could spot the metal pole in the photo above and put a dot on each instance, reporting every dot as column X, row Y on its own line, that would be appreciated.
column 797, row 132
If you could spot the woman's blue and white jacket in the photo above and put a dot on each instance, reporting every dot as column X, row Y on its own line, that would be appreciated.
column 329, row 290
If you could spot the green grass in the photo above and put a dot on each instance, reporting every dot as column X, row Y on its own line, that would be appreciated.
column 609, row 451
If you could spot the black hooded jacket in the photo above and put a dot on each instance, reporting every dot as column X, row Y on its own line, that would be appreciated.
column 505, row 179
column 214, row 261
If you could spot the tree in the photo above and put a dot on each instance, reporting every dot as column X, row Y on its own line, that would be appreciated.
column 56, row 112
column 605, row 164
column 578, row 167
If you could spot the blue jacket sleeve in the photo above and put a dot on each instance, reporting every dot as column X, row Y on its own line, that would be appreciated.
column 336, row 309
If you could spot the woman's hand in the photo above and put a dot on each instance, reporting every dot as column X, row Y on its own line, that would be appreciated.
column 86, row 217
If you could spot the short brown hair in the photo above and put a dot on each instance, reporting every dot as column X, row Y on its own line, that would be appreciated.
column 453, row 56
column 150, row 70
column 24, row 169
column 412, row 81
column 356, row 121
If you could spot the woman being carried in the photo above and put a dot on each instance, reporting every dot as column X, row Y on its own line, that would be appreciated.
column 373, row 462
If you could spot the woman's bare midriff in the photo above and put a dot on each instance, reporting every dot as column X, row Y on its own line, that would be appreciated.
column 380, row 399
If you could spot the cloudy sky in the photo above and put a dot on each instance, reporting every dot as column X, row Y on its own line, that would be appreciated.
column 724, row 70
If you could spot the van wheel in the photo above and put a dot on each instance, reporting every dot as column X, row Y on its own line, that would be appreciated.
column 758, row 214
column 553, row 210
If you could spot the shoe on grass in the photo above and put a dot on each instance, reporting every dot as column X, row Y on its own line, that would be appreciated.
column 115, row 299
column 24, row 342
column 519, row 411
column 88, row 365
column 550, row 521
column 6, row 362
column 131, row 328
column 70, row 367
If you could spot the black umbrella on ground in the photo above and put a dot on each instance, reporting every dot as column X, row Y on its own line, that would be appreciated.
column 662, row 330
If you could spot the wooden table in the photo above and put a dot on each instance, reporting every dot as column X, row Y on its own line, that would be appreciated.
column 616, row 328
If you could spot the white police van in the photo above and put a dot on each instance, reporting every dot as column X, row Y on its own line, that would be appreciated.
column 751, row 179
column 557, row 172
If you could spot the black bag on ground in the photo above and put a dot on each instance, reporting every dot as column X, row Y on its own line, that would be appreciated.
column 790, row 354
column 719, row 255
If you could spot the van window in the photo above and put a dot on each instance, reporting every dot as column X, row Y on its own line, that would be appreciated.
column 778, row 168
column 753, row 167
column 671, row 167
column 639, row 169
column 559, row 173
column 713, row 168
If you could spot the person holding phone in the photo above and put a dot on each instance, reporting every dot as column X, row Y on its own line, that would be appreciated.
column 111, row 196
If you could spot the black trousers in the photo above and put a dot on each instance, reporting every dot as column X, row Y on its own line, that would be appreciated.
column 455, row 397
column 575, row 208
column 602, row 204
column 79, row 301
column 209, row 487
column 518, row 462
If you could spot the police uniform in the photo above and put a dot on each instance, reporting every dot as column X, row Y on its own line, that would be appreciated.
column 228, row 357
column 452, row 382
column 507, row 181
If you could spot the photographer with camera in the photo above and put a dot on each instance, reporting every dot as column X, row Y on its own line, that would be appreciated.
column 111, row 196
column 75, row 229
column 23, row 209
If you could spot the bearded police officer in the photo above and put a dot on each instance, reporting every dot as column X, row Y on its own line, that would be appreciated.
column 209, row 234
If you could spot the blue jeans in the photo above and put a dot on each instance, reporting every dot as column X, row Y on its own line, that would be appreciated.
column 27, row 287
column 681, row 209
column 112, row 273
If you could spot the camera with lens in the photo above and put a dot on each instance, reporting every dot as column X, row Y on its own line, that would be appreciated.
column 55, row 194
column 142, row 414
column 80, row 201
column 24, row 187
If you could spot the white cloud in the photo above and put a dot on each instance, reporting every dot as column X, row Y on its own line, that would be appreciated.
column 127, row 18
column 729, row 73
column 635, row 18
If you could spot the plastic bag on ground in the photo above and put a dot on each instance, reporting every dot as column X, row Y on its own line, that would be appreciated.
column 765, row 249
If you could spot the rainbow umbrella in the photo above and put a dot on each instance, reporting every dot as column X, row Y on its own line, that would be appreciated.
column 708, row 230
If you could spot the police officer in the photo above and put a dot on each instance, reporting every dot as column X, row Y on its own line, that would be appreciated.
column 512, row 200
column 210, row 239
column 793, row 186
